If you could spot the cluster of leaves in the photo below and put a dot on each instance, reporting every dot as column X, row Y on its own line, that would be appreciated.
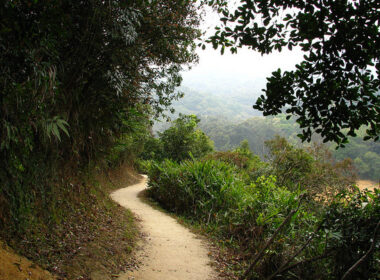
column 335, row 86
column 181, row 141
column 227, row 193
column 353, row 218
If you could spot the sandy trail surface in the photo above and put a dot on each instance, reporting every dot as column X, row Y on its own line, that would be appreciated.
column 170, row 251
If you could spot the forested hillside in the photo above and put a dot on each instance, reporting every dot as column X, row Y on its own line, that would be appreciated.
column 80, row 81
column 233, row 105
column 228, row 119
column 228, row 135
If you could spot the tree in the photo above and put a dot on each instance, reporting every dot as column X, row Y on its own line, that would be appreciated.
column 78, row 77
column 91, row 64
column 313, row 169
column 244, row 149
column 337, row 84
column 183, row 139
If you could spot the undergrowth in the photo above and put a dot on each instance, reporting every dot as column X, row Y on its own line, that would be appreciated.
column 310, row 239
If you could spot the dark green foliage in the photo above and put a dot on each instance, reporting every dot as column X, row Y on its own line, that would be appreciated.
column 337, row 84
column 181, row 141
column 228, row 195
column 352, row 220
column 79, row 81
column 153, row 149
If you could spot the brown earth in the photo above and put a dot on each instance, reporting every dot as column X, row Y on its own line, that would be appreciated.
column 16, row 267
column 92, row 239
column 367, row 184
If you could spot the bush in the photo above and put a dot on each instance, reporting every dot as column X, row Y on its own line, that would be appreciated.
column 352, row 220
column 195, row 188
column 313, row 169
column 329, row 239
column 213, row 193
column 184, row 139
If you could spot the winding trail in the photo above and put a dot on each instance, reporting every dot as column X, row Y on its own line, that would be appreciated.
column 170, row 252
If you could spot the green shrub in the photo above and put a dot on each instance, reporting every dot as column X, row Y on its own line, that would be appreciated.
column 143, row 166
column 193, row 187
column 213, row 193
column 250, row 166
column 329, row 238
column 313, row 169
column 352, row 220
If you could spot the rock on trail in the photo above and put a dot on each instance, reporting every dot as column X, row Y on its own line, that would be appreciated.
column 170, row 251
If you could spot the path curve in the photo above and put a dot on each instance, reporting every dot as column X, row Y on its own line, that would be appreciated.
column 171, row 252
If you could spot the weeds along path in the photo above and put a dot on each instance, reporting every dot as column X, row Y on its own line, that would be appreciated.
column 170, row 251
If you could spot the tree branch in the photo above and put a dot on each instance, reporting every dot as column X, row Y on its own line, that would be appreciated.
column 371, row 248
column 281, row 268
column 270, row 241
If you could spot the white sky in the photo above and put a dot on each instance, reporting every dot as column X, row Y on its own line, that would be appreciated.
column 246, row 64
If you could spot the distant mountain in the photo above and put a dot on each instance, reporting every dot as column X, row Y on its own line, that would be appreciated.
column 234, row 106
column 227, row 135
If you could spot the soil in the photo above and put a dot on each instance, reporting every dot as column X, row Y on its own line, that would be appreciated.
column 367, row 184
column 169, row 250
column 13, row 266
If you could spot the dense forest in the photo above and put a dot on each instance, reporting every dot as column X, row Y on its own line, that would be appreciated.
column 228, row 135
column 80, row 82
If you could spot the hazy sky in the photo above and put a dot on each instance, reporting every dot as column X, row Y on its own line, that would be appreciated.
column 246, row 64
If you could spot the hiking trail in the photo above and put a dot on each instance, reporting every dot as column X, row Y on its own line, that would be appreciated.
column 170, row 251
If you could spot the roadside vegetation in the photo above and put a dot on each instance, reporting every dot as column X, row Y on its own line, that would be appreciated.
column 296, row 215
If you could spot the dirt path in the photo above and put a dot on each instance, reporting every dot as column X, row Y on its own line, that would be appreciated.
column 171, row 251
column 367, row 184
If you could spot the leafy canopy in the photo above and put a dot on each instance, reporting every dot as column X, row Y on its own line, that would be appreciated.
column 337, row 84
column 184, row 138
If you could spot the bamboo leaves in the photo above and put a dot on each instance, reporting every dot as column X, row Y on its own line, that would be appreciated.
column 52, row 128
